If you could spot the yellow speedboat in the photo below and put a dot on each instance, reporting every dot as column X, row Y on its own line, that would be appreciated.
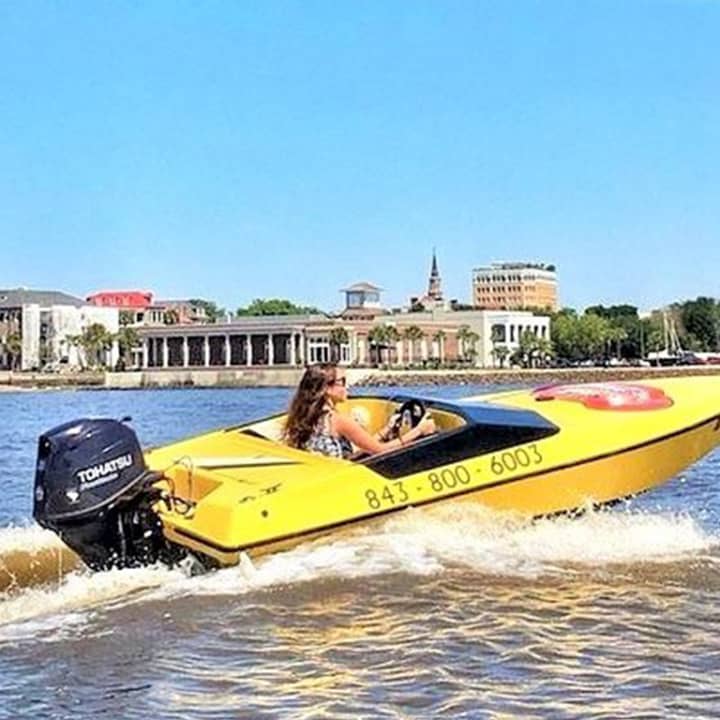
column 240, row 490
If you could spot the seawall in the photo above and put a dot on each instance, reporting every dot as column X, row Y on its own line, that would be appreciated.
column 289, row 377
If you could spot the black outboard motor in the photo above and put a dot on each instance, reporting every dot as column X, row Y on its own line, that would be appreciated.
column 93, row 489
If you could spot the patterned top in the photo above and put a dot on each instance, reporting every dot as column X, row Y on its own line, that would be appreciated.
column 323, row 442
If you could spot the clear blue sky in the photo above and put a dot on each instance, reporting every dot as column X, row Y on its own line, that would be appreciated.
column 232, row 150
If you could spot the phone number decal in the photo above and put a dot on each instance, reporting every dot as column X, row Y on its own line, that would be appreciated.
column 441, row 482
column 395, row 493
column 511, row 460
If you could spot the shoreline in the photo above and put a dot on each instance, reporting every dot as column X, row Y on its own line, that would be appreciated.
column 536, row 376
column 368, row 377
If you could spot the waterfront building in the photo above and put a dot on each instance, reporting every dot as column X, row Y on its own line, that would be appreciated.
column 515, row 286
column 364, row 333
column 362, row 302
column 140, row 308
column 43, row 325
column 476, row 335
column 121, row 299
column 180, row 312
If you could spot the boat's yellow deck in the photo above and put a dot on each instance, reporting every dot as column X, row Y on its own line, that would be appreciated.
column 241, row 488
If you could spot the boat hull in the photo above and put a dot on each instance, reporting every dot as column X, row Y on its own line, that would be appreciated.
column 547, row 476
column 242, row 490
column 602, row 479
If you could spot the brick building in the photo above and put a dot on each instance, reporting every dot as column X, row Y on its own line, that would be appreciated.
column 515, row 286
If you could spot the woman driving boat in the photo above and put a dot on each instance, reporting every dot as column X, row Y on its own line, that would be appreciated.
column 314, row 424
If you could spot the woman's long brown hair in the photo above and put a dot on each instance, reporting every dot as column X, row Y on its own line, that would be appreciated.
column 309, row 403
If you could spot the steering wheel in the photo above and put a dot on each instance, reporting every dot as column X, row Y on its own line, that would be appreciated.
column 410, row 413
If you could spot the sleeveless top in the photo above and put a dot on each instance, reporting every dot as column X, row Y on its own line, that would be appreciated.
column 323, row 442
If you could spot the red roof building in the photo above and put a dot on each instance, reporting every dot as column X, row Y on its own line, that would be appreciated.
column 130, row 299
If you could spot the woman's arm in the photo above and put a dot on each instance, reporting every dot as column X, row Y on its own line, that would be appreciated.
column 361, row 438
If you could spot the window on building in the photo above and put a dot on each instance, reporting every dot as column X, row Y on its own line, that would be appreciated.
column 318, row 349
column 345, row 357
column 497, row 333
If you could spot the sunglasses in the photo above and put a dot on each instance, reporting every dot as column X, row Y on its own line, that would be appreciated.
column 339, row 381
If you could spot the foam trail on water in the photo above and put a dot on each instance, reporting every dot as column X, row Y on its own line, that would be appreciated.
column 27, row 537
column 429, row 541
column 31, row 556
column 469, row 535
column 419, row 542
column 36, row 611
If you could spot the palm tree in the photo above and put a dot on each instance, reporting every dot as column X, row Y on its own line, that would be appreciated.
column 617, row 335
column 468, row 341
column 95, row 341
column 412, row 334
column 377, row 337
column 528, row 347
column 127, row 339
column 500, row 353
column 544, row 350
column 497, row 336
column 391, row 338
column 338, row 337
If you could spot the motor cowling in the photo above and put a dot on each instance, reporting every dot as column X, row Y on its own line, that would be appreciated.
column 93, row 489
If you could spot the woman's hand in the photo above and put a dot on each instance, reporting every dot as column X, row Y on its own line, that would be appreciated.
column 427, row 426
column 391, row 429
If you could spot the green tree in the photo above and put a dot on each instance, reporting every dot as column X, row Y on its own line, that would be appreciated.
column 593, row 333
column 276, row 306
column 412, row 334
column 377, row 339
column 625, row 328
column 651, row 336
column 497, row 337
column 564, row 330
column 338, row 337
column 615, row 334
column 127, row 339
column 579, row 338
column 544, row 351
column 500, row 353
column 95, row 341
column 467, row 339
column 391, row 338
column 528, row 347
column 700, row 319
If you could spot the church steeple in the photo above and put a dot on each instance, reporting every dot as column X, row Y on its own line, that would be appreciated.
column 434, row 283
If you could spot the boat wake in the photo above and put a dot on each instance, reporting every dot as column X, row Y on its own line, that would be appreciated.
column 461, row 537
column 32, row 556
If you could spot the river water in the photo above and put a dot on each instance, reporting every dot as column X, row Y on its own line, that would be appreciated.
column 451, row 611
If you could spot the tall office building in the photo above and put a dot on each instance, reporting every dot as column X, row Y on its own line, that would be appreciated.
column 515, row 286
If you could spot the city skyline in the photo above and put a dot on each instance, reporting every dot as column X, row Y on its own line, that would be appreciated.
column 231, row 152
column 405, row 305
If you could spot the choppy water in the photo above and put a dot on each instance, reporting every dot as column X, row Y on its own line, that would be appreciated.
column 450, row 611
